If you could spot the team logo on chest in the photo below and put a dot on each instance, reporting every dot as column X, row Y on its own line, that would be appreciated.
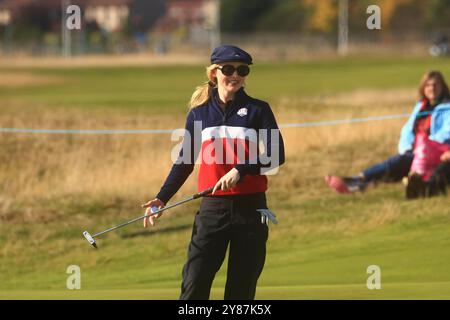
column 242, row 112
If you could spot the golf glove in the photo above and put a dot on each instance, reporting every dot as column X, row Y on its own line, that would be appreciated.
column 267, row 215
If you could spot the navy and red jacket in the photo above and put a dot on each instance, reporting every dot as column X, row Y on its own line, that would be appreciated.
column 235, row 127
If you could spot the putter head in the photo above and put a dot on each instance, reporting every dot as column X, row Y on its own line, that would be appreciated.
column 90, row 239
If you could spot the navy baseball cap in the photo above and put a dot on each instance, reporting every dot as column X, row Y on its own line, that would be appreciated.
column 227, row 53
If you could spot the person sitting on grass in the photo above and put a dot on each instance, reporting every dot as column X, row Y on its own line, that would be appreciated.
column 423, row 162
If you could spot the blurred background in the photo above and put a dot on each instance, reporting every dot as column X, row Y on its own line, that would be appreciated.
column 280, row 30
column 134, row 64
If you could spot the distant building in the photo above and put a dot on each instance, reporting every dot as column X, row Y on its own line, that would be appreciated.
column 108, row 14
column 7, row 8
column 160, row 24
column 189, row 12
column 5, row 16
column 195, row 19
column 111, row 15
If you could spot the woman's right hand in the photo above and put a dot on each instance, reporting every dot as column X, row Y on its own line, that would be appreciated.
column 148, row 206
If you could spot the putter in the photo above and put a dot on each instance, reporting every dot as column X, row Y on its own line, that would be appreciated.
column 91, row 240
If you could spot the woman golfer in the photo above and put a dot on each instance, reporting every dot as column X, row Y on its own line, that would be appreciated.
column 227, row 127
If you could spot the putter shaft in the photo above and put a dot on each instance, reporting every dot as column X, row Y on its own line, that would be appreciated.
column 195, row 196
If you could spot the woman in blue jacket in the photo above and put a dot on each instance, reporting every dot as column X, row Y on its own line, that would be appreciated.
column 430, row 117
column 225, row 126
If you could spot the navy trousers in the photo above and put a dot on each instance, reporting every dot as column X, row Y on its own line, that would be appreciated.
column 222, row 222
column 390, row 170
column 397, row 167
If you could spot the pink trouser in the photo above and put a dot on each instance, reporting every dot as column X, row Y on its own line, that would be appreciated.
column 427, row 155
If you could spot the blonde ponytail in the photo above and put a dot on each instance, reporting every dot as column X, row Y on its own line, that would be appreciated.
column 202, row 92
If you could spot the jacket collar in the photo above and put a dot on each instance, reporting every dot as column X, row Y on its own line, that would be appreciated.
column 240, row 97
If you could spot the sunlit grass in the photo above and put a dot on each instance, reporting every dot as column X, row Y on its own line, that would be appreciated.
column 53, row 187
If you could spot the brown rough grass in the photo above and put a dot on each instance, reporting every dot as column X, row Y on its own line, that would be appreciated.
column 34, row 167
column 24, row 79
column 104, row 60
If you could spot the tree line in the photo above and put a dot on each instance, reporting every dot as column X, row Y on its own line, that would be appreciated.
column 321, row 16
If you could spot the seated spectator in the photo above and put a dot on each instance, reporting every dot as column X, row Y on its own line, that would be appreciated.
column 423, row 162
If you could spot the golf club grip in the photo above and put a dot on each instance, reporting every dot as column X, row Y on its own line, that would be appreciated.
column 207, row 191
column 203, row 193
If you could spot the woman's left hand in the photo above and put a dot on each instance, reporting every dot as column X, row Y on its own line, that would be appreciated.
column 445, row 157
column 228, row 181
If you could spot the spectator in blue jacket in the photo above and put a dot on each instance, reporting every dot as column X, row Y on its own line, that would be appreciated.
column 430, row 118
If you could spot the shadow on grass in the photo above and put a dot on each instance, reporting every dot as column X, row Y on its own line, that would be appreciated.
column 146, row 233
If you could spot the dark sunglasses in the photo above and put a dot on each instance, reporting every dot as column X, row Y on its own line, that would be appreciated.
column 243, row 70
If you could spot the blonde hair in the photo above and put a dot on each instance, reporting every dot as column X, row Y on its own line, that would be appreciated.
column 202, row 92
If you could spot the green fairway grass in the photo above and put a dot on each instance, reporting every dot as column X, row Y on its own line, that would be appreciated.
column 324, row 242
column 167, row 89
column 411, row 291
